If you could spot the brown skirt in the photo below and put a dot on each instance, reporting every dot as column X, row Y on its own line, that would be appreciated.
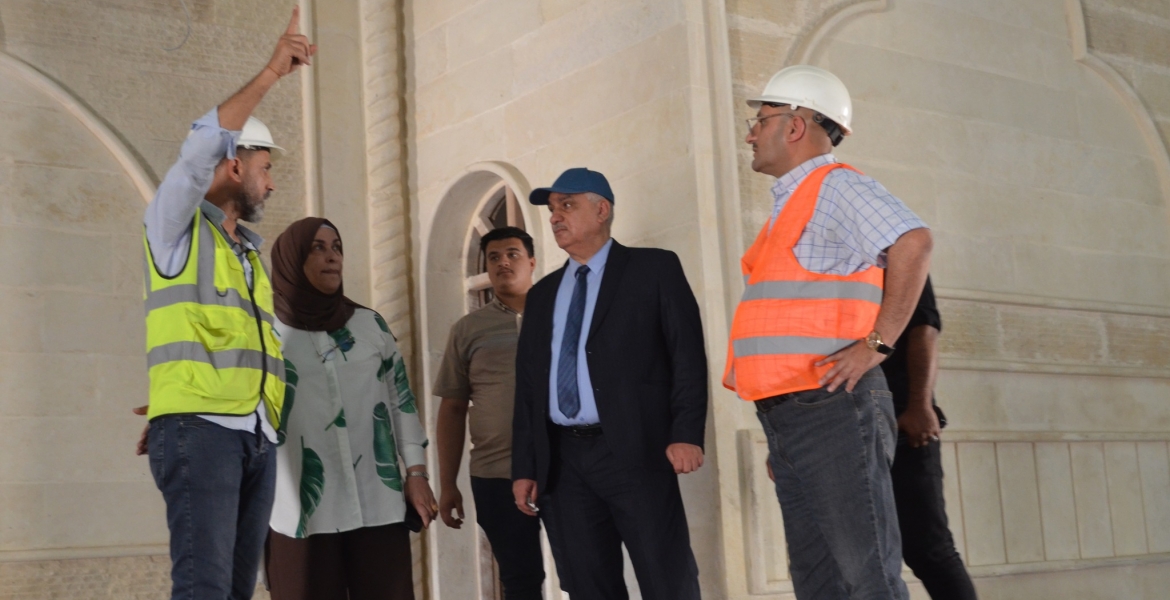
column 371, row 563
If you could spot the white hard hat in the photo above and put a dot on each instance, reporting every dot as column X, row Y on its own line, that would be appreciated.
column 256, row 135
column 813, row 88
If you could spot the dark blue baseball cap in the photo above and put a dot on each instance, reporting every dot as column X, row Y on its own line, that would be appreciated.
column 574, row 181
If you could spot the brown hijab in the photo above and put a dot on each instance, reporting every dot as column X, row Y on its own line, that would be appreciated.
column 298, row 304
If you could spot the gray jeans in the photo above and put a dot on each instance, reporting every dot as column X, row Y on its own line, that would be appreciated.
column 831, row 455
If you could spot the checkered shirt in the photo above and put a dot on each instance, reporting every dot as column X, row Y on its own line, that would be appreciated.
column 855, row 221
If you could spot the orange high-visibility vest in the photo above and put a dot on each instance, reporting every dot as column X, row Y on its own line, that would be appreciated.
column 789, row 318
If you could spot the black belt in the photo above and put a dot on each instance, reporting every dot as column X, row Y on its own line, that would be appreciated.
column 581, row 431
column 768, row 404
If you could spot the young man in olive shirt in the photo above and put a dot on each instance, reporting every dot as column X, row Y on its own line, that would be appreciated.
column 477, row 384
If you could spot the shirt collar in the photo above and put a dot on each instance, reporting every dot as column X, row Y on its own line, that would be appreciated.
column 217, row 216
column 788, row 181
column 496, row 302
column 596, row 263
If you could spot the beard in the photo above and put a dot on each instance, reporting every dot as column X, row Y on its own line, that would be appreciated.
column 250, row 205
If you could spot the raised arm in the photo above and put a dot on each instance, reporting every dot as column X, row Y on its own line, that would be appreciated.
column 213, row 137
column 292, row 50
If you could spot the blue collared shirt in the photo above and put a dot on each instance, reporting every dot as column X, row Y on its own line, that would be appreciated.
column 855, row 221
column 588, row 414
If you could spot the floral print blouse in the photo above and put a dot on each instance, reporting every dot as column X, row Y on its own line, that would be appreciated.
column 348, row 417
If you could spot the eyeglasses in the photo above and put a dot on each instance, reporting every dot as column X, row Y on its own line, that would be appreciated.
column 752, row 122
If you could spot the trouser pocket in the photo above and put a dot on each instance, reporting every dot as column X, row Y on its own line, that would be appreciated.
column 886, row 423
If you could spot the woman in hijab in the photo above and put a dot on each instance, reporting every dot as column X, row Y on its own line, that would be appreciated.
column 349, row 415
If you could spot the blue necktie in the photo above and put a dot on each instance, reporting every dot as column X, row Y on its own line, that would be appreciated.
column 568, row 399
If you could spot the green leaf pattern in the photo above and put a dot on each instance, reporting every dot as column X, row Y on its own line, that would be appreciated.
column 321, row 422
column 385, row 451
column 402, row 385
column 382, row 323
column 338, row 421
column 312, row 486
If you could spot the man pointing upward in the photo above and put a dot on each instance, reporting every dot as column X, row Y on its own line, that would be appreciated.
column 216, row 370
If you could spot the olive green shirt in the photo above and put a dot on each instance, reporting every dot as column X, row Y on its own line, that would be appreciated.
column 479, row 366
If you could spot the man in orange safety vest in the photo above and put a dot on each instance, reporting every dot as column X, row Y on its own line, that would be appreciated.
column 831, row 281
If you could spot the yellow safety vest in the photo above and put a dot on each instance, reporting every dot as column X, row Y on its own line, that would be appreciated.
column 210, row 347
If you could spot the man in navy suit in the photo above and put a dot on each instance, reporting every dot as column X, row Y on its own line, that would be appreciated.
column 611, row 403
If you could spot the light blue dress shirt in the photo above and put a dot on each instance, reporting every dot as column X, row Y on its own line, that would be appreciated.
column 588, row 413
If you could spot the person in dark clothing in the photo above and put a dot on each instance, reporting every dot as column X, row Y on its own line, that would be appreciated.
column 927, row 545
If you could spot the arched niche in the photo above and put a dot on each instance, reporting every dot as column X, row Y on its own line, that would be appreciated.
column 71, row 329
column 448, row 238
column 449, row 267
column 499, row 207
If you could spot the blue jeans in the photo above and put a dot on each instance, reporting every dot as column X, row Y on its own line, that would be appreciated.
column 831, row 455
column 218, row 484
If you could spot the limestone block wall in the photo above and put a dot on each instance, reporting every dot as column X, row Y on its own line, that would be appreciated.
column 112, row 55
column 71, row 363
column 1131, row 36
column 519, row 90
column 1015, row 506
column 1035, row 158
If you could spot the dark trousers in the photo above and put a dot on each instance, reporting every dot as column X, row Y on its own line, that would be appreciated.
column 218, row 484
column 514, row 536
column 927, row 545
column 371, row 563
column 595, row 502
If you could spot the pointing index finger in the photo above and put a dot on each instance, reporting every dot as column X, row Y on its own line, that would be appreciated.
column 294, row 24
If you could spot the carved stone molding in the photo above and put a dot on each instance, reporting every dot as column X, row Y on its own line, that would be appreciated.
column 804, row 49
column 390, row 272
column 1141, row 115
column 134, row 170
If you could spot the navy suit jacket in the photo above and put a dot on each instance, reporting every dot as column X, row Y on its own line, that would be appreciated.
column 646, row 360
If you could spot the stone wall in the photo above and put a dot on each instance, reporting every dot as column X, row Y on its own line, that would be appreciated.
column 1131, row 35
column 71, row 364
column 113, row 56
column 520, row 90
column 1034, row 167
column 1047, row 197
column 73, row 497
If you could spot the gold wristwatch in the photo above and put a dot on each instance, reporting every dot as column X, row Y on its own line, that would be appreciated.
column 874, row 342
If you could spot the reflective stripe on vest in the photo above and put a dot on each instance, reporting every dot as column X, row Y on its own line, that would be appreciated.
column 789, row 290
column 789, row 318
column 210, row 344
column 223, row 359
